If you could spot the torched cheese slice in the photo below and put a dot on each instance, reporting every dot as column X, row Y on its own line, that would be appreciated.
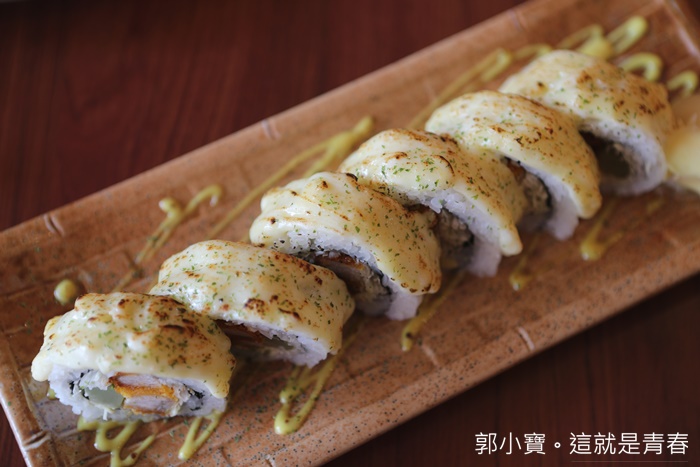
column 590, row 88
column 606, row 100
column 334, row 206
column 259, row 288
column 139, row 334
column 403, row 163
column 525, row 131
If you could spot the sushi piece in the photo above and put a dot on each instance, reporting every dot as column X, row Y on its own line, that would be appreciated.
column 133, row 356
column 477, row 212
column 550, row 161
column 625, row 118
column 271, row 304
column 388, row 256
column 683, row 145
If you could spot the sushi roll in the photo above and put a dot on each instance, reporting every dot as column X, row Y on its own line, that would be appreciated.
column 127, row 356
column 271, row 304
column 477, row 211
column 625, row 118
column 388, row 256
column 548, row 158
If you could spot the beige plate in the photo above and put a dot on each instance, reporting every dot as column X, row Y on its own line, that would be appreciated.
column 376, row 386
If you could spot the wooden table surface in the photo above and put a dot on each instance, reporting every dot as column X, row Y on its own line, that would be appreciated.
column 92, row 93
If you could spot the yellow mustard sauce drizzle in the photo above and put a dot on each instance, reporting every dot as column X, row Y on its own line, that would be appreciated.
column 685, row 83
column 521, row 274
column 194, row 440
column 589, row 40
column 592, row 41
column 627, row 34
column 174, row 216
column 580, row 37
column 649, row 64
column 531, row 51
column 431, row 304
column 486, row 70
column 336, row 147
column 593, row 248
column 115, row 445
column 301, row 379
column 340, row 146
column 66, row 292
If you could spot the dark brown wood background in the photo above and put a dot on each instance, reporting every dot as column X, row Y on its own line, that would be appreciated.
column 92, row 93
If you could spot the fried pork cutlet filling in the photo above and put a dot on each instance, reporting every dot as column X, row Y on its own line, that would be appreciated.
column 611, row 156
column 144, row 394
column 456, row 240
column 245, row 341
column 364, row 284
column 139, row 394
column 539, row 201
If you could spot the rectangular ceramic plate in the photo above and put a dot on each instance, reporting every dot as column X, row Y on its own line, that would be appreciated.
column 482, row 329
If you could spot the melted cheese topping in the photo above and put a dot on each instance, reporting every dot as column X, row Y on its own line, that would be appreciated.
column 403, row 163
column 140, row 334
column 590, row 89
column 606, row 101
column 333, row 210
column 279, row 294
column 491, row 124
